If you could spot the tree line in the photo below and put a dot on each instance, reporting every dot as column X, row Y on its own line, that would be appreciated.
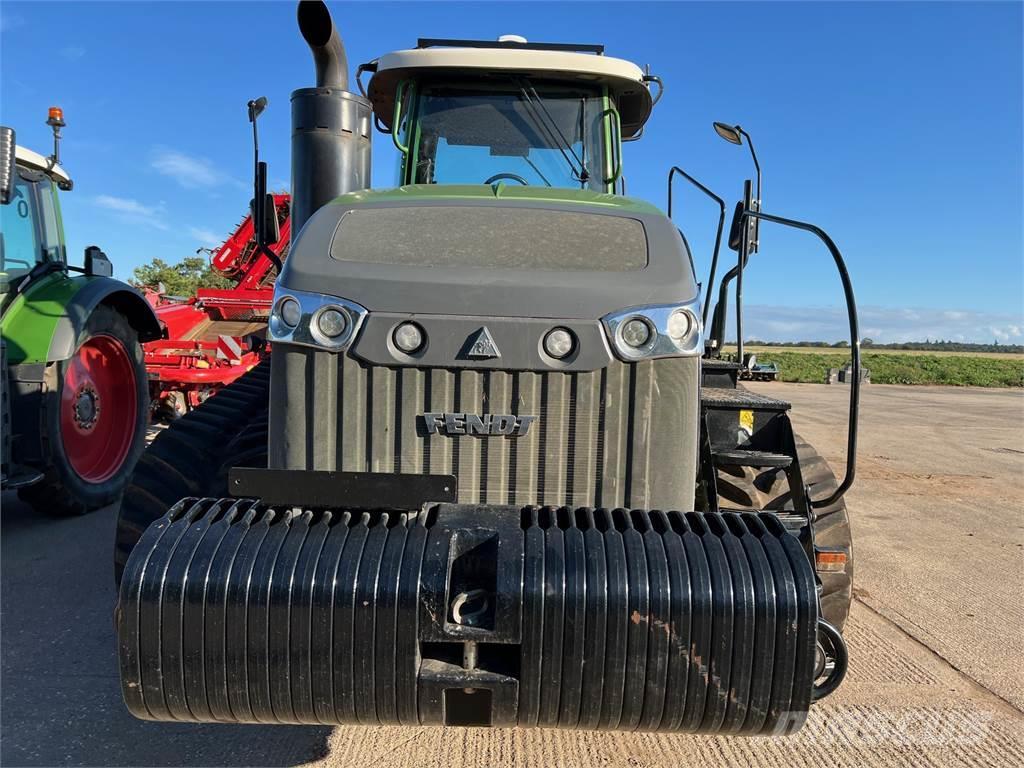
column 928, row 345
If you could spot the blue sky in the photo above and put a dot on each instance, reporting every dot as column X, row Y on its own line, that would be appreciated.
column 897, row 127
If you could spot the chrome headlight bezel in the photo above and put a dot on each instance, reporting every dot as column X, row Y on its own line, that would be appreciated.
column 307, row 333
column 661, row 344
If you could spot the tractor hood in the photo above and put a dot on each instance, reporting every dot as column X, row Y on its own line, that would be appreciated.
column 501, row 251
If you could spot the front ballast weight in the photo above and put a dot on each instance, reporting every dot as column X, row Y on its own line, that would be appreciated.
column 458, row 614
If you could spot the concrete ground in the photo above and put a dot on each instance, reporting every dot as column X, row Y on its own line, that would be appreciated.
column 935, row 634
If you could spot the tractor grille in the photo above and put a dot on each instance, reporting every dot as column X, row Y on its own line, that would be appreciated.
column 621, row 436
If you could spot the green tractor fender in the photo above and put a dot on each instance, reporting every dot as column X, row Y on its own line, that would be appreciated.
column 43, row 324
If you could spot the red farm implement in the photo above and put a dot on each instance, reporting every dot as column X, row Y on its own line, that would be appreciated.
column 217, row 335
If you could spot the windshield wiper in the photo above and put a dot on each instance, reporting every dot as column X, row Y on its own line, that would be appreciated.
column 579, row 168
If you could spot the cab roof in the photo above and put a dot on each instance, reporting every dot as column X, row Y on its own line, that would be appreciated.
column 550, row 61
column 33, row 160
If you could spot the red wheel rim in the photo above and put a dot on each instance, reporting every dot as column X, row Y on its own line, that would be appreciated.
column 99, row 408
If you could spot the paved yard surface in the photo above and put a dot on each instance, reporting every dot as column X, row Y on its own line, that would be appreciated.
column 936, row 635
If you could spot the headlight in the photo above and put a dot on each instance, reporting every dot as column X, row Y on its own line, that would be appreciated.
column 679, row 325
column 314, row 320
column 290, row 312
column 331, row 322
column 636, row 332
column 559, row 343
column 408, row 338
column 671, row 330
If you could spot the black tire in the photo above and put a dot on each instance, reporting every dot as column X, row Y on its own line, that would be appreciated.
column 748, row 488
column 63, row 491
column 192, row 455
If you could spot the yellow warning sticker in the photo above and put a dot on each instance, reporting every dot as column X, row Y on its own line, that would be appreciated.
column 747, row 421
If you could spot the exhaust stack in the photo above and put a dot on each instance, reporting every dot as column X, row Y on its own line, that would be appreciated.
column 330, row 125
column 328, row 51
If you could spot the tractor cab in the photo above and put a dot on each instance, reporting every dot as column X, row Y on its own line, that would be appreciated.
column 31, row 230
column 32, row 236
column 481, row 112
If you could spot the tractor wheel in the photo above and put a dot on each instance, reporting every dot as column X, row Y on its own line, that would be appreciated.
column 95, row 406
column 192, row 455
column 750, row 488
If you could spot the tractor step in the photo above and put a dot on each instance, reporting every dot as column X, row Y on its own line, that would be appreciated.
column 462, row 614
column 740, row 398
column 20, row 477
column 747, row 458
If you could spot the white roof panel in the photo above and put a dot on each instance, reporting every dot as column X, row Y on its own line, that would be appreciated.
column 623, row 78
column 25, row 156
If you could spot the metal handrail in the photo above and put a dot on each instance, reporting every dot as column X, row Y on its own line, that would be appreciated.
column 718, row 237
column 851, row 310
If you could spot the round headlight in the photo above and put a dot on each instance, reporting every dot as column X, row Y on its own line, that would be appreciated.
column 332, row 323
column 290, row 312
column 408, row 337
column 636, row 332
column 679, row 324
column 559, row 343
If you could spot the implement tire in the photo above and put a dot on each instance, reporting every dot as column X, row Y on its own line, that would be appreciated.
column 192, row 455
column 753, row 488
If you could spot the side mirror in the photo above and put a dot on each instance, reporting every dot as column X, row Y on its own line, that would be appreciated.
column 736, row 228
column 270, row 232
column 97, row 263
column 271, row 229
column 7, row 166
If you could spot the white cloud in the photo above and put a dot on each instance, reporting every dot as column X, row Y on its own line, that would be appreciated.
column 72, row 52
column 133, row 210
column 881, row 324
column 206, row 236
column 190, row 172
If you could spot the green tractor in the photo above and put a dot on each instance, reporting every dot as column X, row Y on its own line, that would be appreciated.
column 496, row 472
column 75, row 402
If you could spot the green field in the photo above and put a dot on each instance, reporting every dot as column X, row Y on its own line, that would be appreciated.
column 809, row 364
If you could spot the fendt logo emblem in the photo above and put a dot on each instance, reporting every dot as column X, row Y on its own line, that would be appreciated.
column 481, row 346
column 478, row 424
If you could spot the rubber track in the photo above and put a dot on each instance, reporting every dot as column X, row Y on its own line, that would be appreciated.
column 189, row 458
column 767, row 489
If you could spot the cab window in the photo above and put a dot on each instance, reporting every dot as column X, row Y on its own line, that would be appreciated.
column 21, row 246
column 49, row 218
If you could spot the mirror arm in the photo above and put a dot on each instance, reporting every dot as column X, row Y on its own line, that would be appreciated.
column 851, row 311
column 742, row 256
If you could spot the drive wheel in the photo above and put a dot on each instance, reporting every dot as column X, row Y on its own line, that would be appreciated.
column 750, row 488
column 93, row 418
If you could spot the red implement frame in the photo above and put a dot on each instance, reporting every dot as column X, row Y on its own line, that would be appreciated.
column 217, row 335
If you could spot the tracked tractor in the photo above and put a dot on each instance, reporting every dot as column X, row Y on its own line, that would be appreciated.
column 495, row 473
column 74, row 402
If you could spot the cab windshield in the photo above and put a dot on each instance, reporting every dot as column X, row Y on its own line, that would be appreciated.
column 518, row 131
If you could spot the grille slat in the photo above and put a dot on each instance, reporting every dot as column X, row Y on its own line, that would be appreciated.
column 471, row 393
column 382, row 454
column 528, row 451
column 557, row 387
column 616, row 430
column 624, row 436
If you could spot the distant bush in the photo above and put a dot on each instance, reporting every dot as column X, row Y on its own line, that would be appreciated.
column 922, row 346
column 952, row 370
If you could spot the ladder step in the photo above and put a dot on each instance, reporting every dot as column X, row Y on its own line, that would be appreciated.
column 744, row 458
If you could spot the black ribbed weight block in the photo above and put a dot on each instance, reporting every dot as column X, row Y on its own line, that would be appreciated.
column 459, row 614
